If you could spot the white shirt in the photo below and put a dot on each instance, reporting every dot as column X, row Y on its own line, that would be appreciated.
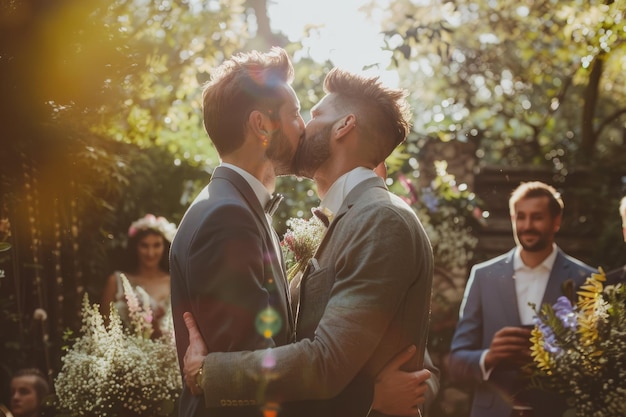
column 343, row 185
column 530, row 285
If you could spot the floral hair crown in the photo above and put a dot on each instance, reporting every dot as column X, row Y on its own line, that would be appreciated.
column 151, row 222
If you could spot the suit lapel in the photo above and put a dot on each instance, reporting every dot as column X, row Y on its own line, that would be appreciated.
column 558, row 275
column 348, row 202
column 251, row 199
column 246, row 192
column 506, row 289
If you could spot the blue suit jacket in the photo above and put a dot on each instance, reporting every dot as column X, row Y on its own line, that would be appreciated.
column 489, row 304
column 225, row 270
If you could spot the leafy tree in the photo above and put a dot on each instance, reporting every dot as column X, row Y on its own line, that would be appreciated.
column 533, row 82
column 101, row 123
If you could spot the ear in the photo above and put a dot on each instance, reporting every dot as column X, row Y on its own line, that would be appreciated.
column 557, row 223
column 345, row 125
column 259, row 124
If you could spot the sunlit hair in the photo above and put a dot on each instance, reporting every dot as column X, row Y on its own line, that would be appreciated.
column 248, row 81
column 41, row 384
column 381, row 112
column 535, row 189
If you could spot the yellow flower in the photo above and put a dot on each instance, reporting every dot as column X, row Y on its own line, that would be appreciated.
column 537, row 351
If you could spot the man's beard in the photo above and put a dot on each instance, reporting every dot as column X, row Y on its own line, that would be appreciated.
column 281, row 153
column 312, row 152
column 540, row 244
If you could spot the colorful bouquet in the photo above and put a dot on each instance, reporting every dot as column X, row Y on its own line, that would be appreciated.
column 579, row 349
column 116, row 371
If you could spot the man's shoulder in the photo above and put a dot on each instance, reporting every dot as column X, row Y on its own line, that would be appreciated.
column 576, row 263
column 496, row 262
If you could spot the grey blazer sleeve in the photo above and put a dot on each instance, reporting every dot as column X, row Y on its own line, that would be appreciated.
column 374, row 269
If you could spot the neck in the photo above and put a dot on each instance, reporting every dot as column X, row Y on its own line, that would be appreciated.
column 329, row 172
column 261, row 168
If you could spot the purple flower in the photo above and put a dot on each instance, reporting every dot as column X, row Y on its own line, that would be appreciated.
column 549, row 339
column 410, row 188
column 430, row 200
column 564, row 310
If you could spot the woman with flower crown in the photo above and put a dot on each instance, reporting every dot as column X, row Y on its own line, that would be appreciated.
column 147, row 271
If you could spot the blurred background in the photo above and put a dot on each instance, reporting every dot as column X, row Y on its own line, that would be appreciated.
column 101, row 122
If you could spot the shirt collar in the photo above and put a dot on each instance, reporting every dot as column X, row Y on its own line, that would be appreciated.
column 343, row 185
column 259, row 189
column 547, row 263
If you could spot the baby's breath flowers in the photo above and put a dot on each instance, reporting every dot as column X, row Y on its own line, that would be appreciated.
column 580, row 350
column 300, row 243
column 115, row 371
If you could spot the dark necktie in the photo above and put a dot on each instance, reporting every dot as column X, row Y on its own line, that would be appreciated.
column 272, row 205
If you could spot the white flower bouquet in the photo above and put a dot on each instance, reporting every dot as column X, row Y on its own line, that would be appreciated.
column 300, row 243
column 115, row 371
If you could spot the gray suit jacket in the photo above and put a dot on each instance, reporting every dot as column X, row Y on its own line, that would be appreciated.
column 369, row 298
column 225, row 270
column 489, row 304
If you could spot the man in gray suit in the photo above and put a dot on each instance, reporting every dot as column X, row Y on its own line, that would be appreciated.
column 491, row 345
column 366, row 294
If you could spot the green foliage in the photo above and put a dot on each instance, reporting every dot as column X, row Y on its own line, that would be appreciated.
column 104, row 124
column 520, row 84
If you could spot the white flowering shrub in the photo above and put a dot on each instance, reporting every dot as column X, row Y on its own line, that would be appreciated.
column 115, row 371
column 450, row 214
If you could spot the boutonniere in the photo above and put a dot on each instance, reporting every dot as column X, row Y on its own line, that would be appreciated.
column 567, row 287
column 302, row 239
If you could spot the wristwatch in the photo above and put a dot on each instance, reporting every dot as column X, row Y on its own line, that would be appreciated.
column 198, row 376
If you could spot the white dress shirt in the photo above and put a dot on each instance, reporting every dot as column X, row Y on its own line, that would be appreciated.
column 343, row 185
column 530, row 284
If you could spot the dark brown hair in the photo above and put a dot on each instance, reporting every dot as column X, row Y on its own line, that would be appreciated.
column 381, row 112
column 246, row 82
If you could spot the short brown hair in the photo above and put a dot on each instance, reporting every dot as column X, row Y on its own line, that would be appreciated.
column 248, row 81
column 381, row 112
column 534, row 189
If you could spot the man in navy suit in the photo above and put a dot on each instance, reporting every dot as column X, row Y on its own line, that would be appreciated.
column 226, row 265
column 490, row 345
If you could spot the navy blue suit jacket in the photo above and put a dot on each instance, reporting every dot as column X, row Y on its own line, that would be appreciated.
column 225, row 270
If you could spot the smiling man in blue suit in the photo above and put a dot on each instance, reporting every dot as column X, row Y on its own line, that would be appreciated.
column 491, row 343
